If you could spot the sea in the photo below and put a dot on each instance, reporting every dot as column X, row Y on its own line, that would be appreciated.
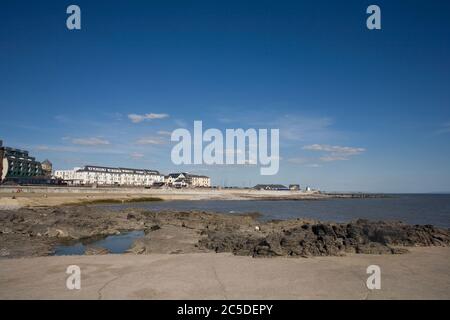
column 421, row 209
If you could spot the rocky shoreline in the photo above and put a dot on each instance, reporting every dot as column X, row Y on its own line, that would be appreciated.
column 36, row 231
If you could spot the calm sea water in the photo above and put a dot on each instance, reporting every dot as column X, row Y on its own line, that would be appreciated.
column 413, row 209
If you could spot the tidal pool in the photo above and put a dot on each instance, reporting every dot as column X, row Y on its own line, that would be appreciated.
column 114, row 243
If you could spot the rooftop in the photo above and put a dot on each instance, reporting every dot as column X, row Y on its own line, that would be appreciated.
column 89, row 168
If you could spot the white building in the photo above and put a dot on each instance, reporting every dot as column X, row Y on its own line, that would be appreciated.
column 180, row 180
column 200, row 181
column 177, row 180
column 94, row 175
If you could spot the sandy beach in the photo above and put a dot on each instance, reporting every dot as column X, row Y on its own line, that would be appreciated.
column 422, row 274
column 17, row 197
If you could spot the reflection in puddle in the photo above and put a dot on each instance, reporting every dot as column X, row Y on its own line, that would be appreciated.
column 115, row 244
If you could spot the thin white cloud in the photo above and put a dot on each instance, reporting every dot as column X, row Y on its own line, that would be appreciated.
column 164, row 133
column 331, row 158
column 334, row 149
column 94, row 141
column 136, row 118
column 445, row 128
column 334, row 153
column 150, row 140
column 136, row 155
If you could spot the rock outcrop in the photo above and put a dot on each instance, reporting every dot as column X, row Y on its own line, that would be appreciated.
column 35, row 232
column 324, row 239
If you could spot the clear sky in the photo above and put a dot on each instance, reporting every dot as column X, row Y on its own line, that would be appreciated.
column 357, row 110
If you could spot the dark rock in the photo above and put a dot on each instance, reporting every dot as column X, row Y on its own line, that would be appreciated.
column 131, row 216
column 326, row 239
column 155, row 227
column 27, row 232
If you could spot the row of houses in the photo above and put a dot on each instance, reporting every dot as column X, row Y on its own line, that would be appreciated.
column 109, row 176
column 18, row 167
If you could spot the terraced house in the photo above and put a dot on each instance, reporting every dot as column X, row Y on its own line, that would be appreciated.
column 109, row 176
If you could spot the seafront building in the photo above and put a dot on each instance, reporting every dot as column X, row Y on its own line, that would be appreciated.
column 199, row 181
column 47, row 168
column 177, row 180
column 95, row 175
column 108, row 176
column 17, row 166
column 183, row 179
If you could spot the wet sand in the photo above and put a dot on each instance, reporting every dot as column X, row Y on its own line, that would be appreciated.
column 422, row 274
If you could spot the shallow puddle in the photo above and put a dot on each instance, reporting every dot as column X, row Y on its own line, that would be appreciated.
column 114, row 243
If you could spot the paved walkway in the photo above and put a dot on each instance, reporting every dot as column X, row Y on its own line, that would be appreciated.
column 422, row 274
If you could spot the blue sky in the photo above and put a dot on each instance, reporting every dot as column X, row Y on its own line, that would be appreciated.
column 357, row 109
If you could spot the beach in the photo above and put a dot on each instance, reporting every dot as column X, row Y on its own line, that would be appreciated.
column 17, row 197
